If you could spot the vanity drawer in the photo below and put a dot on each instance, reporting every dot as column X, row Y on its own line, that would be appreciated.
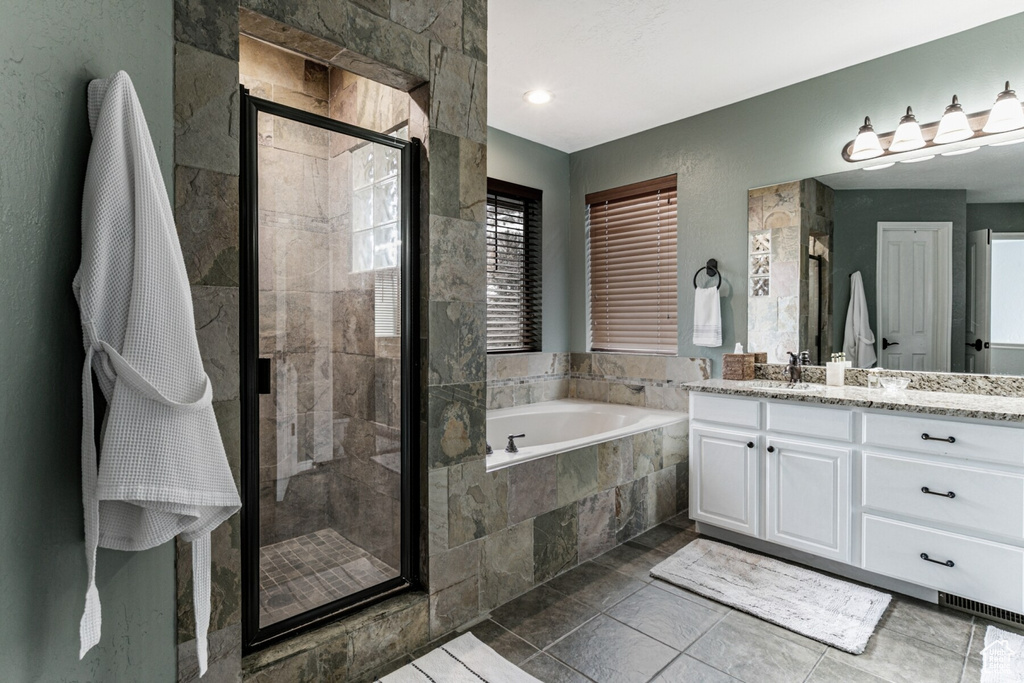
column 804, row 420
column 970, row 440
column 982, row 570
column 738, row 412
column 988, row 501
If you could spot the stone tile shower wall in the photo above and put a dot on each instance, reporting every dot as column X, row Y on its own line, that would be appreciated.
column 329, row 427
column 781, row 220
column 436, row 53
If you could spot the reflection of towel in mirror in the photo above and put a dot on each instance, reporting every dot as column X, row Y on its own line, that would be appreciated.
column 707, row 317
column 859, row 342
column 163, row 470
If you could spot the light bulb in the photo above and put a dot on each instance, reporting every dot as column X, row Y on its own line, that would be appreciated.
column 866, row 146
column 538, row 96
column 1006, row 113
column 953, row 127
column 908, row 134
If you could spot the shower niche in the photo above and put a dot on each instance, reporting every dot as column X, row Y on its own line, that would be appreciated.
column 329, row 351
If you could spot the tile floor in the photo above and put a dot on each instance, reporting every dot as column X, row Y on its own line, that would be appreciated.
column 307, row 571
column 608, row 621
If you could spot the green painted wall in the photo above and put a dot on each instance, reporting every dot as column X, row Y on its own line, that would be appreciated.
column 518, row 160
column 49, row 50
column 791, row 133
column 1008, row 217
column 855, row 247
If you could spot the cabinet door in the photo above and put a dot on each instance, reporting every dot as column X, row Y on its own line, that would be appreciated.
column 808, row 498
column 723, row 479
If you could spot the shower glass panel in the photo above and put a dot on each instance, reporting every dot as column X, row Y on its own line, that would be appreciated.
column 328, row 346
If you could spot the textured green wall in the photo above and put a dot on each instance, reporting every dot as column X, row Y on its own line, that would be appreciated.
column 1008, row 217
column 855, row 247
column 791, row 133
column 49, row 50
column 521, row 161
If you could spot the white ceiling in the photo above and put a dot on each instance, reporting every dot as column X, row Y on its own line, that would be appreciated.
column 698, row 54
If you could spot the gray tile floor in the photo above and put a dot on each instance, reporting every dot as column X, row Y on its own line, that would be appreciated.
column 608, row 621
column 311, row 570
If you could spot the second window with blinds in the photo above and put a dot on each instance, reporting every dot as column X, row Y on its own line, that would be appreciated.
column 513, row 267
column 631, row 261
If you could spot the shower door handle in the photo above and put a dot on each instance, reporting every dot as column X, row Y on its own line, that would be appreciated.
column 263, row 375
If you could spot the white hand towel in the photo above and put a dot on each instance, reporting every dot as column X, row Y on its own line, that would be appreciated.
column 162, row 470
column 859, row 340
column 707, row 317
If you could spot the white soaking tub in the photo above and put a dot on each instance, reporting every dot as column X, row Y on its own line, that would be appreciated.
column 564, row 425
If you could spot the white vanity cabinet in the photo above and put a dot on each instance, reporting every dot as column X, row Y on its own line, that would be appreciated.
column 929, row 500
column 724, row 478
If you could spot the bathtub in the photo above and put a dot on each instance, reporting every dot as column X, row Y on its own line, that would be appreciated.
column 564, row 425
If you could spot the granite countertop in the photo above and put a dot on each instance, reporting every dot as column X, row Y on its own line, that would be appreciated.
column 980, row 406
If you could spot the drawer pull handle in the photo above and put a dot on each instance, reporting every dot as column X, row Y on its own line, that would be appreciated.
column 950, row 494
column 750, row 444
column 947, row 563
column 771, row 449
column 927, row 437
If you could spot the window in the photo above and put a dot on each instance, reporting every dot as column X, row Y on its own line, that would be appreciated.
column 631, row 247
column 513, row 267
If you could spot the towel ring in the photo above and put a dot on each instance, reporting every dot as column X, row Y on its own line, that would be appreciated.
column 712, row 268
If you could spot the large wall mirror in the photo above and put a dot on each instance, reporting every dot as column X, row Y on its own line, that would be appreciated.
column 931, row 254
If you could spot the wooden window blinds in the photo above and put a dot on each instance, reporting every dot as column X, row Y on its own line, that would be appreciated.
column 631, row 248
column 513, row 267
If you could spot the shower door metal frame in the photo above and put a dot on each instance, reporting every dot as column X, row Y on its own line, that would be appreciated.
column 253, row 636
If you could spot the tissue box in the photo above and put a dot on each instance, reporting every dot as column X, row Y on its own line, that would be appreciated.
column 738, row 366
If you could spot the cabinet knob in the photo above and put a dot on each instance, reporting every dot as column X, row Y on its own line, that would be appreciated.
column 771, row 449
column 750, row 444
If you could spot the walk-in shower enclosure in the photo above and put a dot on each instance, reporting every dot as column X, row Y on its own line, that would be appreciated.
column 329, row 359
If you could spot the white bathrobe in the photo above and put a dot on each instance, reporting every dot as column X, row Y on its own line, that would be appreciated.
column 859, row 340
column 162, row 469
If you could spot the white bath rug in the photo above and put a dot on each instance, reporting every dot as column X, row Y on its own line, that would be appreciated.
column 831, row 611
column 1003, row 657
column 463, row 660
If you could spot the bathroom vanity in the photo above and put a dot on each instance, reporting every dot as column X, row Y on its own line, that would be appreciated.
column 926, row 488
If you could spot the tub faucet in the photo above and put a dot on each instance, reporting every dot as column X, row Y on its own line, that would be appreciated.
column 511, row 447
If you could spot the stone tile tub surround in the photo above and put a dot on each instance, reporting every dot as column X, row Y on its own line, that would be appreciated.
column 952, row 382
column 517, row 379
column 643, row 380
column 978, row 406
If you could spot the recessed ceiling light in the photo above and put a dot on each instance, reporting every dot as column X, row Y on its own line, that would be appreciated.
column 538, row 96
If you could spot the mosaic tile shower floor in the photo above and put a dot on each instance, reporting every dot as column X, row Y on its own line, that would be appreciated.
column 308, row 571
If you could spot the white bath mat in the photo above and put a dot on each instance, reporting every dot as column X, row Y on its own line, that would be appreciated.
column 1003, row 657
column 834, row 612
column 463, row 660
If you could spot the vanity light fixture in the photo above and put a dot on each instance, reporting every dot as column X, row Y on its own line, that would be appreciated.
column 1006, row 114
column 908, row 134
column 1005, row 121
column 866, row 146
column 538, row 96
column 954, row 126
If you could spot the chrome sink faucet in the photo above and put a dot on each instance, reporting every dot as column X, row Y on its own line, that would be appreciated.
column 796, row 366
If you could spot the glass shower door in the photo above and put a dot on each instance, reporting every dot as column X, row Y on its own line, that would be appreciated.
column 328, row 343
